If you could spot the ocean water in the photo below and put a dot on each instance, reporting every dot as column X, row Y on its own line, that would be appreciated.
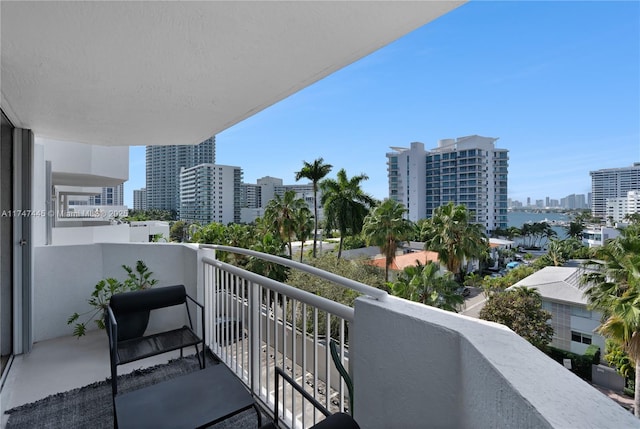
column 518, row 219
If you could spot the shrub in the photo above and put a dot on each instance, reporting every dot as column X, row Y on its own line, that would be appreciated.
column 593, row 352
column 580, row 364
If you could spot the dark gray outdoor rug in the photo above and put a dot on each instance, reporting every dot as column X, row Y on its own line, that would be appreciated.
column 91, row 406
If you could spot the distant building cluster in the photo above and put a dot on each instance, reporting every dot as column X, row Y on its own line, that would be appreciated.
column 469, row 171
column 163, row 165
column 187, row 179
column 570, row 202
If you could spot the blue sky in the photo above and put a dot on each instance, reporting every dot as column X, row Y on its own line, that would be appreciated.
column 557, row 82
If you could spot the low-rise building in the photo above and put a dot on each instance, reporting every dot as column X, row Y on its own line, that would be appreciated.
column 595, row 236
column 563, row 296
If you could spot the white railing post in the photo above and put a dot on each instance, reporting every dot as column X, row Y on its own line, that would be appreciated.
column 254, row 337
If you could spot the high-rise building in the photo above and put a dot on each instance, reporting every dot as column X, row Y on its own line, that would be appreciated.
column 469, row 171
column 140, row 199
column 110, row 196
column 163, row 170
column 619, row 208
column 573, row 201
column 210, row 193
column 612, row 183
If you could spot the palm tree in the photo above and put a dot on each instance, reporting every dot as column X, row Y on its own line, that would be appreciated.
column 280, row 212
column 272, row 245
column 575, row 228
column 238, row 236
column 426, row 284
column 315, row 172
column 303, row 221
column 345, row 204
column 614, row 289
column 450, row 234
column 385, row 227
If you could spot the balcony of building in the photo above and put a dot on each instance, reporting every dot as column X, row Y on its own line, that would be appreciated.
column 411, row 365
column 123, row 73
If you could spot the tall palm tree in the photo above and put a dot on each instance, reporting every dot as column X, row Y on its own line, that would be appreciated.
column 345, row 204
column 315, row 172
column 386, row 227
column 450, row 234
column 614, row 289
column 281, row 212
column 303, row 220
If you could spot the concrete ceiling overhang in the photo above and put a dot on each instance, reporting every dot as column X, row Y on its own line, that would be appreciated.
column 178, row 72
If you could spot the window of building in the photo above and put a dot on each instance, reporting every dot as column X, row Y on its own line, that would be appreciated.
column 580, row 312
column 579, row 337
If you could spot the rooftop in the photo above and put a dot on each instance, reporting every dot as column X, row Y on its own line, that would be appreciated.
column 557, row 283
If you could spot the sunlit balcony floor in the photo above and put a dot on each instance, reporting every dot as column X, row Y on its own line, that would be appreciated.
column 62, row 364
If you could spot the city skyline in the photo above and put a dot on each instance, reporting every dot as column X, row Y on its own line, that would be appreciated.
column 538, row 75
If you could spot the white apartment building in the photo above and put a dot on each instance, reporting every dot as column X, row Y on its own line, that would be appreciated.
column 597, row 235
column 140, row 199
column 618, row 208
column 468, row 170
column 109, row 196
column 210, row 193
column 163, row 165
column 612, row 183
column 255, row 197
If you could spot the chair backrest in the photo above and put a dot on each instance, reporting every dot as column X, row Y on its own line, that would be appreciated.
column 333, row 346
column 148, row 299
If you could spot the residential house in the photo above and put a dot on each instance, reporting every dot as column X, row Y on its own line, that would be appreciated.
column 563, row 296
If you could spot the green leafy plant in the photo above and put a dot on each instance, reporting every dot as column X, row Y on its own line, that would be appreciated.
column 137, row 279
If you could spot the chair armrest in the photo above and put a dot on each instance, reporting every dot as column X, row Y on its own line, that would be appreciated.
column 195, row 302
column 299, row 389
column 201, row 316
column 112, row 328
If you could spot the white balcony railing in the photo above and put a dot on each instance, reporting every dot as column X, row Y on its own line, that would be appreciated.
column 258, row 324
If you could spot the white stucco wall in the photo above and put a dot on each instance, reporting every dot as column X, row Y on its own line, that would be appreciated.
column 587, row 326
column 66, row 275
column 139, row 232
column 417, row 366
column 84, row 159
column 90, row 234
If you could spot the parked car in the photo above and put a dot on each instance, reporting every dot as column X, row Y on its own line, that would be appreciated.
column 464, row 291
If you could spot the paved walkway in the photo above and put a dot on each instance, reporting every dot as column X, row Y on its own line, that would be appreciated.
column 624, row 401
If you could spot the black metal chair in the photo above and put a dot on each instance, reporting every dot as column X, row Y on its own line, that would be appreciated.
column 332, row 421
column 118, row 316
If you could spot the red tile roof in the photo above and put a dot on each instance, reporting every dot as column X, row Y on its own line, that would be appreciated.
column 408, row 259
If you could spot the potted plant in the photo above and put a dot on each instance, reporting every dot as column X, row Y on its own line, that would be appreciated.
column 137, row 279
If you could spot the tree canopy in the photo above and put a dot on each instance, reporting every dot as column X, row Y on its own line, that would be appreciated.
column 614, row 289
column 428, row 285
column 345, row 204
column 386, row 227
column 521, row 310
column 453, row 237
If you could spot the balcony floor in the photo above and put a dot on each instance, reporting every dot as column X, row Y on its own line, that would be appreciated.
column 62, row 364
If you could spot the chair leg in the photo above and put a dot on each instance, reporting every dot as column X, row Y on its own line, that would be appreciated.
column 200, row 360
column 259, row 415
